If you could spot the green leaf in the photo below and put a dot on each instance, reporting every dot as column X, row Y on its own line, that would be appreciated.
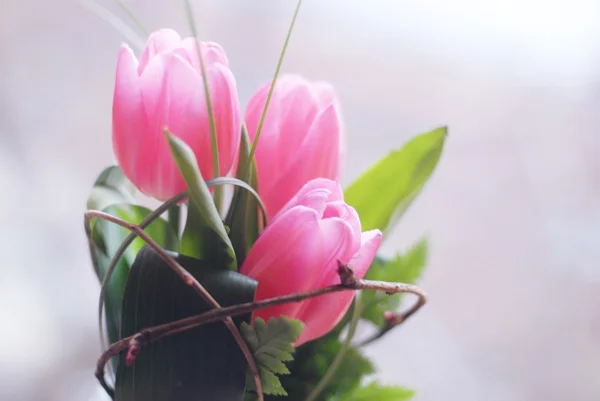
column 108, row 237
column 201, row 364
column 202, row 212
column 312, row 360
column 386, row 190
column 404, row 268
column 242, row 217
column 111, row 187
column 271, row 345
column 377, row 392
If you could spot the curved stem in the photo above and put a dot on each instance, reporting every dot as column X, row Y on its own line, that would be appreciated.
column 132, row 16
column 268, row 100
column 209, row 106
column 115, row 21
column 341, row 353
column 174, row 219
column 395, row 320
column 117, row 256
column 188, row 279
column 151, row 334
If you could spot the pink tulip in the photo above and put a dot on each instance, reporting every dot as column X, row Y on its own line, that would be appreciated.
column 165, row 89
column 300, row 139
column 299, row 251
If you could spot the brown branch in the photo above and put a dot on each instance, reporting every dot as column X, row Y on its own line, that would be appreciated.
column 189, row 280
column 393, row 320
column 349, row 283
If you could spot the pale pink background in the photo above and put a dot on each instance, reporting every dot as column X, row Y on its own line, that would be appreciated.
column 513, row 212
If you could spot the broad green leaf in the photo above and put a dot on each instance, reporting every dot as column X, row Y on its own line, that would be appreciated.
column 377, row 392
column 310, row 363
column 111, row 187
column 242, row 217
column 271, row 345
column 202, row 211
column 108, row 237
column 201, row 364
column 404, row 268
column 386, row 190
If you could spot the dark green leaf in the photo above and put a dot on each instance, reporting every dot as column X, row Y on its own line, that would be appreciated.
column 111, row 187
column 201, row 364
column 377, row 392
column 312, row 360
column 406, row 268
column 110, row 237
column 271, row 345
column 386, row 190
column 242, row 217
column 202, row 211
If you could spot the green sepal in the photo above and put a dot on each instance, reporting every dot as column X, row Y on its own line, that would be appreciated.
column 205, row 236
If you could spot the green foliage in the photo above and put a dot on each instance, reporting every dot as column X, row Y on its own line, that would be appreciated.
column 386, row 190
column 108, row 237
column 111, row 188
column 205, row 236
column 242, row 215
column 406, row 268
column 201, row 364
column 271, row 345
column 112, row 193
column 312, row 361
column 377, row 392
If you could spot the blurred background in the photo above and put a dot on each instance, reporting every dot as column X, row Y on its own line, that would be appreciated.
column 512, row 212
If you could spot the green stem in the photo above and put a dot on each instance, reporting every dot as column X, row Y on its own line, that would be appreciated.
column 132, row 16
column 174, row 218
column 341, row 353
column 268, row 100
column 218, row 196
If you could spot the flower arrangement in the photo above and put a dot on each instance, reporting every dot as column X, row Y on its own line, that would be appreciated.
column 259, row 295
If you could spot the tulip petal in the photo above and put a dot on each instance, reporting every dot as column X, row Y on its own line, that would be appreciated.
column 158, row 42
column 267, row 155
column 128, row 115
column 212, row 53
column 173, row 98
column 322, row 314
column 285, row 259
column 318, row 157
column 341, row 210
column 226, row 107
column 315, row 194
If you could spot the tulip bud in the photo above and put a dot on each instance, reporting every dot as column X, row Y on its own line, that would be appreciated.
column 300, row 139
column 165, row 90
column 299, row 251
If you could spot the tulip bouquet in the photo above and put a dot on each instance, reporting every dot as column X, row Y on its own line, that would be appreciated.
column 261, row 290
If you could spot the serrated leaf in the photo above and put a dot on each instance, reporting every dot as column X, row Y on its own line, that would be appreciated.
column 386, row 190
column 271, row 345
column 202, row 212
column 404, row 268
column 201, row 364
column 270, row 382
column 377, row 392
column 274, row 364
column 312, row 361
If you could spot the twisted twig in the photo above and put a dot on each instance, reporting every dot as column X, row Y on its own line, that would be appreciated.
column 349, row 282
column 187, row 278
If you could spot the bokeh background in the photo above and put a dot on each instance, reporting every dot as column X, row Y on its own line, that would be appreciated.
column 512, row 213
